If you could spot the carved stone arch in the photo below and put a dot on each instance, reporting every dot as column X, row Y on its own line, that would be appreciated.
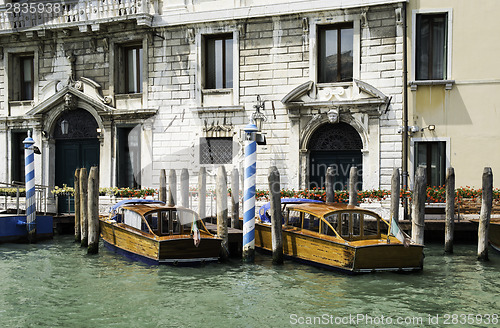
column 53, row 116
column 320, row 120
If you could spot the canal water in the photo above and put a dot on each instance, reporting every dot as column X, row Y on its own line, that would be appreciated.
column 56, row 284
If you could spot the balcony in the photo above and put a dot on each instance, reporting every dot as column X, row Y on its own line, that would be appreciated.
column 84, row 14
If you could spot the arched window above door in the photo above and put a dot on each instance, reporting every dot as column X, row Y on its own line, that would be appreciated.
column 339, row 136
column 80, row 125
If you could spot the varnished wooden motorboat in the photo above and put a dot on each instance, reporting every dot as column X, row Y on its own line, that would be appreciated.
column 343, row 237
column 494, row 233
column 158, row 234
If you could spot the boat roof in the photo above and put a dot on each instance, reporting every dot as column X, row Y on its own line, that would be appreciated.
column 321, row 209
column 145, row 208
column 134, row 201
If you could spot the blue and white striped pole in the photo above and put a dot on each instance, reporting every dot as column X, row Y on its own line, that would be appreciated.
column 249, row 193
column 29, row 167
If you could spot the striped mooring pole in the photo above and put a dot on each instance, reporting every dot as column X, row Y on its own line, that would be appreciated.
column 29, row 164
column 249, row 193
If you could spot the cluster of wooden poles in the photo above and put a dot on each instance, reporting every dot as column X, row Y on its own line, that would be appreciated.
column 87, row 204
column 87, row 209
column 169, row 196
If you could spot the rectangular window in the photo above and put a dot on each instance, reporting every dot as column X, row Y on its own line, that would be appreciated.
column 216, row 150
column 432, row 156
column 335, row 53
column 431, row 46
column 26, row 78
column 133, row 69
column 219, row 62
column 128, row 166
column 17, row 148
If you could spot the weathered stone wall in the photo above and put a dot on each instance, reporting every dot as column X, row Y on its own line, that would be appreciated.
column 274, row 58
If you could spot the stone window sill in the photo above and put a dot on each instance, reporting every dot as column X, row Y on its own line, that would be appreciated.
column 448, row 84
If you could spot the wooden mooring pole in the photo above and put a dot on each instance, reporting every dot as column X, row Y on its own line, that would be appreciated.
column 353, row 190
column 202, row 193
column 172, row 188
column 83, row 207
column 449, row 223
column 78, row 237
column 221, row 193
column 395, row 190
column 235, row 198
column 484, row 217
column 276, row 217
column 162, row 193
column 185, row 187
column 418, row 206
column 329, row 183
column 93, row 211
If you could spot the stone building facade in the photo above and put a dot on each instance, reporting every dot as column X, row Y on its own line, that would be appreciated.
column 136, row 87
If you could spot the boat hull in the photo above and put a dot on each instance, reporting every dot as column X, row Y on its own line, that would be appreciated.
column 177, row 250
column 13, row 228
column 494, row 234
column 342, row 256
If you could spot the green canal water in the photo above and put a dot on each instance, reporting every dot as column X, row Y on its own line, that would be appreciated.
column 56, row 284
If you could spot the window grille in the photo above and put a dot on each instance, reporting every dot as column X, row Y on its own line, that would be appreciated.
column 216, row 150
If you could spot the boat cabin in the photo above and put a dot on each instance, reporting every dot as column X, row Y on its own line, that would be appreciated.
column 339, row 220
column 158, row 219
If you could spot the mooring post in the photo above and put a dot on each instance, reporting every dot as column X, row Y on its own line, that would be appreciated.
column 172, row 188
column 29, row 168
column 330, row 190
column 76, row 179
column 185, row 187
column 276, row 217
column 450, row 210
column 221, row 193
column 395, row 190
column 202, row 192
column 84, row 207
column 93, row 211
column 418, row 206
column 484, row 217
column 235, row 198
column 353, row 190
column 162, row 193
column 249, row 193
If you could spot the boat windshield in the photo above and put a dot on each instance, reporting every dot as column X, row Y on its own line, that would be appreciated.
column 350, row 225
column 176, row 221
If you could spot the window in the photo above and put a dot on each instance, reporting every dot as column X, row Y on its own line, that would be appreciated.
column 128, row 165
column 133, row 69
column 432, row 156
column 335, row 53
column 21, row 77
column 26, row 78
column 18, row 156
column 431, row 46
column 219, row 62
column 216, row 150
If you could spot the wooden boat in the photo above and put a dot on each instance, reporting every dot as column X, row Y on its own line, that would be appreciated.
column 158, row 234
column 342, row 237
column 494, row 233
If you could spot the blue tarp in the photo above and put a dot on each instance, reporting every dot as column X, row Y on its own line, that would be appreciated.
column 263, row 211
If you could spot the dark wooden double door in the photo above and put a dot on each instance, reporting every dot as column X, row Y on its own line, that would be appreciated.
column 70, row 155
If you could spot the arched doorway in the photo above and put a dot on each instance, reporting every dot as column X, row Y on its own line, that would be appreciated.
column 76, row 147
column 338, row 145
